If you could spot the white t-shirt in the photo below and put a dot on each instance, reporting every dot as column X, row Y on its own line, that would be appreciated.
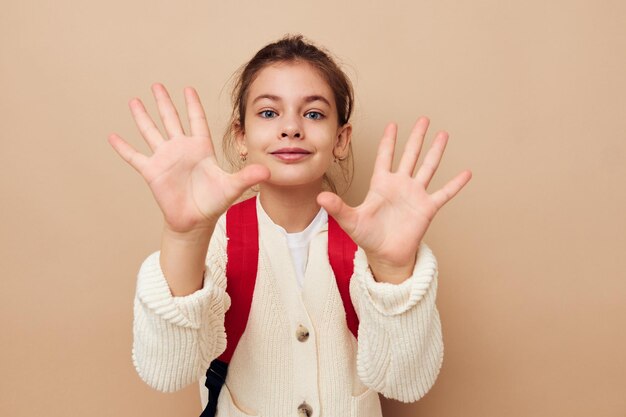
column 298, row 242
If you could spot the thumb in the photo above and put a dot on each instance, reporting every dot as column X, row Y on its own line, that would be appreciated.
column 250, row 175
column 344, row 214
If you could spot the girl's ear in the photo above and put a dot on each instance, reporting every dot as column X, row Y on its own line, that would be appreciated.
column 342, row 146
column 240, row 138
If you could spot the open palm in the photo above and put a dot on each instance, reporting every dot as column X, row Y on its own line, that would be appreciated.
column 397, row 211
column 190, row 188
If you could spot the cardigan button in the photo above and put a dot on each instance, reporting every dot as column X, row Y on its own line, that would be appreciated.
column 302, row 333
column 305, row 410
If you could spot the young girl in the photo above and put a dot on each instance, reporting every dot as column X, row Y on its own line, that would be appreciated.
column 297, row 357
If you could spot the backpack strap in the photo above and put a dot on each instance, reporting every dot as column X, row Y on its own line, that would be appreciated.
column 242, row 230
column 242, row 250
column 341, row 250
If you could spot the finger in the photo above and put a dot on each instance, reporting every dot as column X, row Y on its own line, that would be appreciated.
column 413, row 147
column 248, row 176
column 144, row 122
column 451, row 189
column 384, row 156
column 169, row 115
column 195, row 112
column 345, row 215
column 432, row 159
column 128, row 153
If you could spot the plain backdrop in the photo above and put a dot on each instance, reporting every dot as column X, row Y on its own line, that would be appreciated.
column 533, row 93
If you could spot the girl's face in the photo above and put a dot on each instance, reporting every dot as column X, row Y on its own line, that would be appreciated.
column 291, row 125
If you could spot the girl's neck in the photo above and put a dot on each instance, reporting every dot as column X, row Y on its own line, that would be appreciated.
column 292, row 208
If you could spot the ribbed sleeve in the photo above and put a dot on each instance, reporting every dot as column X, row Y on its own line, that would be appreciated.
column 400, row 347
column 176, row 338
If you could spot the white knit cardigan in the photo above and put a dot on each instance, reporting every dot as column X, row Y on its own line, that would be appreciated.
column 399, row 350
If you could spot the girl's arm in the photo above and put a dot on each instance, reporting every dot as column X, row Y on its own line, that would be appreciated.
column 400, row 346
column 181, row 300
column 176, row 338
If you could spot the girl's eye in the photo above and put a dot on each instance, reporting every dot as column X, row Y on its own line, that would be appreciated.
column 314, row 115
column 267, row 114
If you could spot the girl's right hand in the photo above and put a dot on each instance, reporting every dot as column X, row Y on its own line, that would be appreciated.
column 182, row 173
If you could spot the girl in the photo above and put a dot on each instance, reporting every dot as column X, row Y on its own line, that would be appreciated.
column 297, row 356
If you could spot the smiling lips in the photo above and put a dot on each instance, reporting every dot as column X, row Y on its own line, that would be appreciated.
column 291, row 154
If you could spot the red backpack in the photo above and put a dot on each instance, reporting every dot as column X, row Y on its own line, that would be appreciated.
column 242, row 230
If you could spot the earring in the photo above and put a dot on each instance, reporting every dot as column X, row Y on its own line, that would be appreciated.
column 243, row 157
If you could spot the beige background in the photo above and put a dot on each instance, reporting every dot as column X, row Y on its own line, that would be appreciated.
column 533, row 93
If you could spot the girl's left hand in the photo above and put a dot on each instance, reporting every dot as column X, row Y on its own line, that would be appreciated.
column 392, row 220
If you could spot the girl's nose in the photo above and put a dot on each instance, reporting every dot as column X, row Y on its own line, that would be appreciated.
column 291, row 129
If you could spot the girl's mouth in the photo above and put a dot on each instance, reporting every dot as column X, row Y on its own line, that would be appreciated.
column 290, row 154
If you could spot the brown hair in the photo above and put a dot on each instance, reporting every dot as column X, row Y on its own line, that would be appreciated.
column 291, row 48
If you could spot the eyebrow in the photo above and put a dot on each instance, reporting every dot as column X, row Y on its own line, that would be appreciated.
column 307, row 99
